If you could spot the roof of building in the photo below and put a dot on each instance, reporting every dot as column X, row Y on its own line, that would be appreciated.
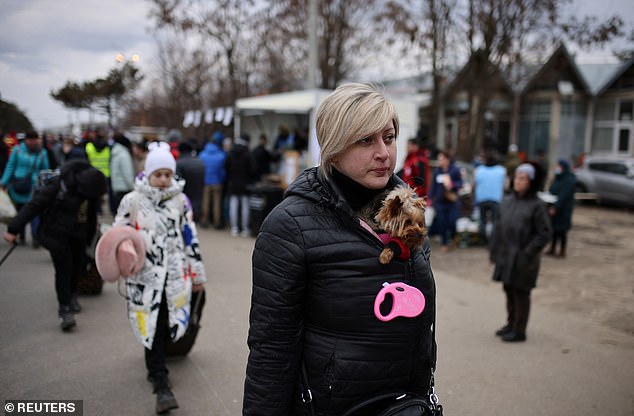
column 597, row 75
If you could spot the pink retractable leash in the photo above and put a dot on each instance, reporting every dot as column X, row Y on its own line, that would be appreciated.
column 407, row 302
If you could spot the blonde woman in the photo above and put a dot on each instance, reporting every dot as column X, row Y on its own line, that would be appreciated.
column 316, row 274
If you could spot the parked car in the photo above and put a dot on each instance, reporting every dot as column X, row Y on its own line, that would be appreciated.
column 610, row 178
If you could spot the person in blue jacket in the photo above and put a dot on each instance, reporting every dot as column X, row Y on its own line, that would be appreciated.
column 489, row 178
column 20, row 176
column 445, row 184
column 213, row 157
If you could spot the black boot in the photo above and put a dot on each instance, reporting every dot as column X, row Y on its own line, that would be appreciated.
column 513, row 336
column 151, row 380
column 67, row 317
column 503, row 331
column 165, row 400
column 74, row 304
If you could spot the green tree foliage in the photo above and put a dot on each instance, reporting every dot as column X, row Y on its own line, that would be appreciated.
column 101, row 94
column 12, row 118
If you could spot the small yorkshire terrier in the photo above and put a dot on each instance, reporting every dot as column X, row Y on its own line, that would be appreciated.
column 402, row 216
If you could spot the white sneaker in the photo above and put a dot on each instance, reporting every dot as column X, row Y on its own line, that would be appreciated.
column 245, row 233
column 234, row 233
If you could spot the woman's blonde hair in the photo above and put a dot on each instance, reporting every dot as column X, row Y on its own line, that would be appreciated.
column 352, row 112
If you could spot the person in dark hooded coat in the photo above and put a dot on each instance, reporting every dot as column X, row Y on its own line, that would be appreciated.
column 241, row 173
column 561, row 211
column 521, row 232
column 68, row 220
column 192, row 169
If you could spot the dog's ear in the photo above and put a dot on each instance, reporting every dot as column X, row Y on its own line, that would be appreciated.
column 420, row 203
column 394, row 206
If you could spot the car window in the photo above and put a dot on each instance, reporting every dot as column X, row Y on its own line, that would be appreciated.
column 597, row 166
column 615, row 168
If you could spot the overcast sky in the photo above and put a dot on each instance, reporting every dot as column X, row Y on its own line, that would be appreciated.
column 45, row 43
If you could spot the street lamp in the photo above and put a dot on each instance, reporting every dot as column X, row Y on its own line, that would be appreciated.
column 127, row 70
column 121, row 57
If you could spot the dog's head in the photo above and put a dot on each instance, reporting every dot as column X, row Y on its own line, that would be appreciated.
column 402, row 215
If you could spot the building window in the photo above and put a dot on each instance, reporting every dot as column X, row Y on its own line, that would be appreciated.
column 605, row 111
column 625, row 110
column 602, row 139
column 624, row 140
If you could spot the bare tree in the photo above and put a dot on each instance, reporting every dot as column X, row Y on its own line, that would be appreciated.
column 506, row 32
column 186, row 74
column 344, row 31
column 282, row 49
column 425, row 25
column 225, row 27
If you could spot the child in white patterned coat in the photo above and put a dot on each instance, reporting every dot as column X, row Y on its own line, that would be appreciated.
column 159, row 295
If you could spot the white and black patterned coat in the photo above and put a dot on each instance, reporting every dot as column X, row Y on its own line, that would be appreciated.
column 172, row 261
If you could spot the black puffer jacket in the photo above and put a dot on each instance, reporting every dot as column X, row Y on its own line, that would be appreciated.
column 65, row 212
column 316, row 273
column 240, row 168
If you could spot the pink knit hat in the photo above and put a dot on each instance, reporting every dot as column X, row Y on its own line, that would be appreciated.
column 119, row 252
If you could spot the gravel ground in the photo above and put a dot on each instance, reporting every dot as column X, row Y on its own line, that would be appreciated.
column 595, row 280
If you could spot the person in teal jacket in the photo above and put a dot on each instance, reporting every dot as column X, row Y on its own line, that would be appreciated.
column 27, row 160
column 561, row 211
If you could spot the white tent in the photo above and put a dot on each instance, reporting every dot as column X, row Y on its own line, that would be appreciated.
column 264, row 114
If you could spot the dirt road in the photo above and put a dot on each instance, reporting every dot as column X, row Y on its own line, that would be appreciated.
column 594, row 281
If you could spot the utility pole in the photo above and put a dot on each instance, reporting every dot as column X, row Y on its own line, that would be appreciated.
column 313, row 45
column 312, row 157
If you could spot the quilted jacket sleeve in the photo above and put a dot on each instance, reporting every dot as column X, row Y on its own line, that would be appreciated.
column 276, row 318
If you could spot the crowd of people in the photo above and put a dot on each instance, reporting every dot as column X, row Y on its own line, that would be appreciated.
column 218, row 172
column 515, row 222
column 315, row 330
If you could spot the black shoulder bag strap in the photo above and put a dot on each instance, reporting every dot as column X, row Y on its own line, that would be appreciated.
column 435, row 406
column 307, row 394
column 432, row 398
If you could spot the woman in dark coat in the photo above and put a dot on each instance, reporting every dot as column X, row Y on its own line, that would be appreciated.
column 316, row 274
column 561, row 212
column 68, row 221
column 522, row 230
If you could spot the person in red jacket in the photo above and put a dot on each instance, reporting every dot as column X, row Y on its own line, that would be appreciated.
column 416, row 168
